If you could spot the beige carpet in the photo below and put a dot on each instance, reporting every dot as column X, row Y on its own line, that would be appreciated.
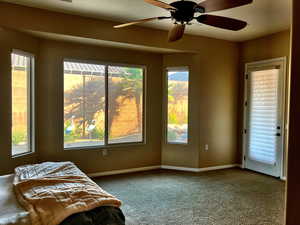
column 226, row 197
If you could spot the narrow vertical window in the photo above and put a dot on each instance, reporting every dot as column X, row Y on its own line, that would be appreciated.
column 125, row 104
column 177, row 105
column 22, row 103
column 84, row 104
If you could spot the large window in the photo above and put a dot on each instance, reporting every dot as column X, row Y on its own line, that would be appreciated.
column 177, row 105
column 125, row 104
column 103, row 105
column 22, row 103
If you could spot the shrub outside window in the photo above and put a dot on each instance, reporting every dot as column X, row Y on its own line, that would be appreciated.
column 177, row 105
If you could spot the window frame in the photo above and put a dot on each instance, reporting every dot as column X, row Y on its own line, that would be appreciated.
column 30, row 104
column 106, row 145
column 166, row 121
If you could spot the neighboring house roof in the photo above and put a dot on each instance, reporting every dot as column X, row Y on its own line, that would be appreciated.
column 19, row 62
column 72, row 67
column 87, row 68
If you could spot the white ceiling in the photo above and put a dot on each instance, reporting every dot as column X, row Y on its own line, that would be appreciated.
column 263, row 16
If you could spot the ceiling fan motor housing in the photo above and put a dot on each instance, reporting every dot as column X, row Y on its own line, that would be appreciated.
column 185, row 11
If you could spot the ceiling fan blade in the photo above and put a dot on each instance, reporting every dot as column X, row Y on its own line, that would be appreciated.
column 140, row 21
column 176, row 32
column 215, row 5
column 222, row 22
column 160, row 4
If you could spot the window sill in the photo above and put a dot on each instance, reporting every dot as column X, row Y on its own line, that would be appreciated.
column 100, row 147
column 177, row 143
column 22, row 155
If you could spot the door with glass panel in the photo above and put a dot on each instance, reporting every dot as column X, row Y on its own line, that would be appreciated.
column 264, row 116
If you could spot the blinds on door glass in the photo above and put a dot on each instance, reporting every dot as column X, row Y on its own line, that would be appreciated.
column 263, row 115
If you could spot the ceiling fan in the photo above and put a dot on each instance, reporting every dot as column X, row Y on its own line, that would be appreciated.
column 183, row 12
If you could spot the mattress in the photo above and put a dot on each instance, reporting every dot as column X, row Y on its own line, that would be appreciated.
column 10, row 210
column 11, row 213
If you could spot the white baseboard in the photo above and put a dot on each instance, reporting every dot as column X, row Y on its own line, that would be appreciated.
column 140, row 169
column 114, row 172
column 219, row 167
column 197, row 170
column 187, row 169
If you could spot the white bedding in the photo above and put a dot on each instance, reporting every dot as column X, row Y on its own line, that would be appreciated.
column 10, row 211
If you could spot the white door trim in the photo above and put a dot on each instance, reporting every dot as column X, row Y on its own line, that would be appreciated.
column 284, row 126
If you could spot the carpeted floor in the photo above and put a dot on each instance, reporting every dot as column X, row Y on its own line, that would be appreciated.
column 225, row 197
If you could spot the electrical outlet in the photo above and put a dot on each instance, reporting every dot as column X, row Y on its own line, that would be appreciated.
column 206, row 147
column 104, row 152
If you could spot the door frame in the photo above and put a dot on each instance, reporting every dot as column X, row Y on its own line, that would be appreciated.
column 282, row 61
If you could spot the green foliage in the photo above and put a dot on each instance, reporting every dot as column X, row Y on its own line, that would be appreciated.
column 97, row 133
column 172, row 118
column 132, row 82
column 69, row 137
column 133, row 73
column 177, row 94
column 170, row 93
column 177, row 90
column 18, row 137
column 66, row 125
column 172, row 135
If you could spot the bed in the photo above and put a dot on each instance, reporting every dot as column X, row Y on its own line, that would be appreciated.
column 12, row 212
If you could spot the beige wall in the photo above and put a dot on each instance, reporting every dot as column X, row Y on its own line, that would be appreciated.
column 10, row 40
column 213, row 90
column 49, row 105
column 272, row 46
column 50, row 108
column 213, row 107
column 210, row 115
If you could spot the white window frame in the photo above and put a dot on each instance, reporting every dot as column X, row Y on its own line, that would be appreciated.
column 106, row 145
column 30, row 102
column 167, row 70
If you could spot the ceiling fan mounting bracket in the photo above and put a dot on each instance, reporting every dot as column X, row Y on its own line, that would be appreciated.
column 199, row 9
column 185, row 11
